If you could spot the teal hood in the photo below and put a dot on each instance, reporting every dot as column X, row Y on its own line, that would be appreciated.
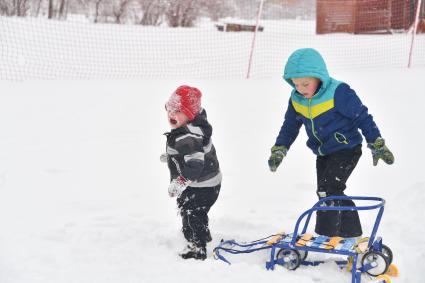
column 306, row 62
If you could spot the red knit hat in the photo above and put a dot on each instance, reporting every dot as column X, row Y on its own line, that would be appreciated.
column 185, row 99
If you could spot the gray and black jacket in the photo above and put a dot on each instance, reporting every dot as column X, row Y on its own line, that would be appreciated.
column 190, row 153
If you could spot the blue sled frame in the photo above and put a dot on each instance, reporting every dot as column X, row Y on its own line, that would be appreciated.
column 284, row 251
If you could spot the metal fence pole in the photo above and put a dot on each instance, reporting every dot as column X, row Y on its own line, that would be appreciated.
column 415, row 27
column 260, row 10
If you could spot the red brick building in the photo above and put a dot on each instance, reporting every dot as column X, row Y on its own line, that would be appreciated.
column 367, row 16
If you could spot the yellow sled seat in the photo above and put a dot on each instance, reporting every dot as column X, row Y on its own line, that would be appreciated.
column 276, row 238
column 304, row 240
column 392, row 270
column 332, row 243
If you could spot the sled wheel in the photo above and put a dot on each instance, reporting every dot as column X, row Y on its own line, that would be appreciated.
column 383, row 278
column 303, row 254
column 388, row 253
column 377, row 260
column 291, row 258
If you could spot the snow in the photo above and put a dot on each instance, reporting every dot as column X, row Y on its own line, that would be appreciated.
column 83, row 195
column 46, row 49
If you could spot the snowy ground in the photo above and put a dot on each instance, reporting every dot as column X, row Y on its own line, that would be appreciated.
column 83, row 196
column 41, row 49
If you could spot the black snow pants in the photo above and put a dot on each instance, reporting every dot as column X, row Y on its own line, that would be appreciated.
column 194, row 205
column 333, row 171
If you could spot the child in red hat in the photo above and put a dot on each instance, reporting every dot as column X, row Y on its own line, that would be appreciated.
column 194, row 168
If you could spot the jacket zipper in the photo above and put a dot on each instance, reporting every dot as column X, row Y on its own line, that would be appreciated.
column 312, row 127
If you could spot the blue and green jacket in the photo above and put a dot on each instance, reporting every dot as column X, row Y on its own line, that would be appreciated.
column 332, row 117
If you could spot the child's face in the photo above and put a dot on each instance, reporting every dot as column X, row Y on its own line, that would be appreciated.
column 307, row 86
column 176, row 119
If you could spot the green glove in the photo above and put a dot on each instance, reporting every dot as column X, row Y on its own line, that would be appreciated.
column 278, row 153
column 380, row 151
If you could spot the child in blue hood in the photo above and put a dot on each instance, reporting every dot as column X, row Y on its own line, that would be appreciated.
column 332, row 115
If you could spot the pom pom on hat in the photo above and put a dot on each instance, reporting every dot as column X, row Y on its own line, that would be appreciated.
column 185, row 99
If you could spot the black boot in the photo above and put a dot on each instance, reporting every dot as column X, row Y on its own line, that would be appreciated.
column 195, row 252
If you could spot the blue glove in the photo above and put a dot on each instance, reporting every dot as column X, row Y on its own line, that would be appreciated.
column 278, row 153
column 380, row 151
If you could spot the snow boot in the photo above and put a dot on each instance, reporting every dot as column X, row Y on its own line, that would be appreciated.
column 195, row 252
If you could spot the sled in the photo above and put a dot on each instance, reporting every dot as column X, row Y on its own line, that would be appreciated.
column 369, row 255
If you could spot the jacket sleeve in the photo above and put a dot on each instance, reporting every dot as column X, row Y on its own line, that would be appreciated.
column 349, row 105
column 190, row 146
column 290, row 127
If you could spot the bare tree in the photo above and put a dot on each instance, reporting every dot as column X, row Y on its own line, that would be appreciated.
column 18, row 8
column 80, row 7
column 37, row 7
column 62, row 10
column 50, row 12
column 5, row 7
column 177, row 13
column 119, row 9
column 97, row 4
column 93, row 9
column 182, row 13
column 218, row 9
column 153, row 11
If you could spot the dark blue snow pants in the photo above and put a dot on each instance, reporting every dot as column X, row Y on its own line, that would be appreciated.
column 194, row 205
column 333, row 171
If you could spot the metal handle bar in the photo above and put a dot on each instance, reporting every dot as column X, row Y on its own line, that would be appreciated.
column 319, row 207
column 381, row 202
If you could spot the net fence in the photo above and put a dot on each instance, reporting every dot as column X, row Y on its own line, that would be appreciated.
column 64, row 41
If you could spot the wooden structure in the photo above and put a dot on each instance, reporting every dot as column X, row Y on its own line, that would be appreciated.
column 366, row 16
column 238, row 27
